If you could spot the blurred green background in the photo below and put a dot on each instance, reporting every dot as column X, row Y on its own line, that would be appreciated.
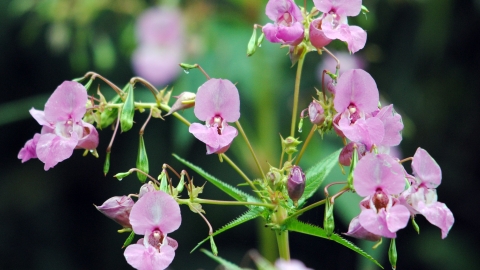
column 422, row 55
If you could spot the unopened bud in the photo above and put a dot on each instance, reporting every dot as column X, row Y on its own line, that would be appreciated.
column 296, row 183
column 121, row 175
column 118, row 209
column 148, row 187
column 181, row 184
column 106, row 165
column 128, row 111
column 184, row 101
column 316, row 113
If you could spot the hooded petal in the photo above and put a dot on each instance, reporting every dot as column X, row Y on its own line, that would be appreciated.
column 52, row 149
column 90, row 137
column 426, row 168
column 117, row 208
column 356, row 87
column 68, row 102
column 155, row 209
column 341, row 7
column 317, row 37
column 291, row 35
column 356, row 230
column 217, row 97
column 378, row 171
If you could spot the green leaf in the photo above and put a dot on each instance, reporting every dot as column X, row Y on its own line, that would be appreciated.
column 297, row 226
column 316, row 174
column 228, row 189
column 249, row 215
column 228, row 265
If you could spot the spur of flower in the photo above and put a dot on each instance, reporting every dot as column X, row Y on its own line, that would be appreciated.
column 63, row 129
column 217, row 103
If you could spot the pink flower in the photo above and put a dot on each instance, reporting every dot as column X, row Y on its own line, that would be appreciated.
column 154, row 215
column 421, row 197
column 333, row 24
column 356, row 230
column 287, row 27
column 217, row 103
column 377, row 177
column 161, row 40
column 63, row 128
column 117, row 208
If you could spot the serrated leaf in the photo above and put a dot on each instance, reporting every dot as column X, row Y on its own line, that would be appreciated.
column 297, row 226
column 228, row 265
column 228, row 189
column 249, row 215
column 316, row 174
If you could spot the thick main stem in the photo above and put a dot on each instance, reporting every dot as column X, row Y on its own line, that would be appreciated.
column 282, row 236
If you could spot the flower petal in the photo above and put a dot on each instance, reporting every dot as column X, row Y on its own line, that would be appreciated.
column 358, row 87
column 217, row 97
column 68, row 102
column 426, row 168
column 52, row 149
column 341, row 7
column 155, row 210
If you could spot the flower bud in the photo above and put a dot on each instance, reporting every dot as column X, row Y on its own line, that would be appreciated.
column 117, row 208
column 148, row 187
column 328, row 221
column 106, row 165
column 252, row 44
column 392, row 254
column 128, row 111
column 316, row 113
column 296, row 183
column 289, row 145
column 184, row 101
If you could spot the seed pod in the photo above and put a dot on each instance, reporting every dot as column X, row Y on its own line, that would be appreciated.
column 128, row 111
column 142, row 160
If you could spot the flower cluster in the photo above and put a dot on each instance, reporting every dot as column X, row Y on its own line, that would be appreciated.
column 290, row 24
column 154, row 215
column 63, row 129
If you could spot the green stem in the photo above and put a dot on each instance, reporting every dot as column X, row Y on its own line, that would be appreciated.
column 305, row 209
column 239, row 171
column 307, row 141
column 250, row 147
column 216, row 202
column 282, row 236
column 296, row 94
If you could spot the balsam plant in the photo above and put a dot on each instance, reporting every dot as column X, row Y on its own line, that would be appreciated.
column 349, row 106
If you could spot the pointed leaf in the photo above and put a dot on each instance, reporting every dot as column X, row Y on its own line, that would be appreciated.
column 228, row 265
column 228, row 189
column 297, row 226
column 249, row 215
column 316, row 174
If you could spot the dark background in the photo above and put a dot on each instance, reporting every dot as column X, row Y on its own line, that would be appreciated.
column 422, row 54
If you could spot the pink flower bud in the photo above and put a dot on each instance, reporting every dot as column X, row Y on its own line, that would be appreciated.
column 296, row 183
column 118, row 208
column 316, row 113
column 184, row 101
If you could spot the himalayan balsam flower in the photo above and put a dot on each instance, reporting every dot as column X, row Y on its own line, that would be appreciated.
column 217, row 103
column 421, row 197
column 154, row 215
column 160, row 38
column 333, row 24
column 378, row 177
column 63, row 128
column 117, row 208
column 287, row 27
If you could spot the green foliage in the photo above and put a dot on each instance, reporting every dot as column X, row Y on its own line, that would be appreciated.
column 228, row 265
column 142, row 160
column 128, row 110
column 228, row 189
column 316, row 174
column 249, row 215
column 297, row 226
column 129, row 239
